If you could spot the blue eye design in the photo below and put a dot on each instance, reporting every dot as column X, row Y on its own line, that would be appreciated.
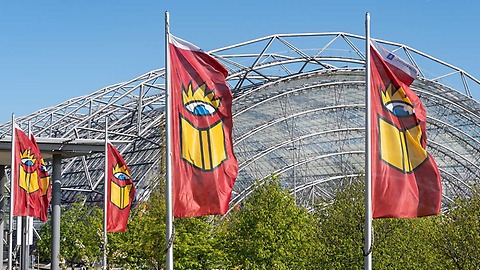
column 121, row 176
column 400, row 108
column 28, row 161
column 200, row 108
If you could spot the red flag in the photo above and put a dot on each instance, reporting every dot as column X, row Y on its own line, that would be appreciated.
column 405, row 178
column 44, row 181
column 204, row 167
column 120, row 191
column 27, row 193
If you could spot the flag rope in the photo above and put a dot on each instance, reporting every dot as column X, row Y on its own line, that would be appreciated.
column 170, row 240
column 370, row 249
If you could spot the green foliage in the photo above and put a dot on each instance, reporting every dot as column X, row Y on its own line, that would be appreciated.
column 81, row 237
column 406, row 243
column 459, row 238
column 195, row 244
column 340, row 228
column 44, row 245
column 269, row 232
column 142, row 246
column 397, row 243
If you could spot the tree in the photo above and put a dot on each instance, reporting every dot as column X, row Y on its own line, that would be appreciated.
column 195, row 245
column 407, row 243
column 142, row 246
column 269, row 232
column 81, row 236
column 340, row 230
column 458, row 239
column 397, row 243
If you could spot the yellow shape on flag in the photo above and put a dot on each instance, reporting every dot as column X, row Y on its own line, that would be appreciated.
column 401, row 149
column 203, row 148
column 26, row 179
column 120, row 196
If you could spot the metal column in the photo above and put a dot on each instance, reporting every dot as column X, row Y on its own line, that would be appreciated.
column 3, row 180
column 56, row 210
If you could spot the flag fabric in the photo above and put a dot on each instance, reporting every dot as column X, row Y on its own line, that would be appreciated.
column 44, row 181
column 28, row 199
column 120, row 191
column 204, row 167
column 405, row 178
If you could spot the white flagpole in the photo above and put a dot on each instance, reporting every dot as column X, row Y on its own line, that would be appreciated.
column 367, row 250
column 12, row 176
column 105, row 201
column 168, row 197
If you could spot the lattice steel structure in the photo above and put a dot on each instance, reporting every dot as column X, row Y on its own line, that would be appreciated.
column 299, row 107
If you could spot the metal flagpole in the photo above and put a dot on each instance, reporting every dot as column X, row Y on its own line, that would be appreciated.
column 2, row 207
column 105, row 201
column 24, row 228
column 367, row 250
column 10, row 220
column 168, row 197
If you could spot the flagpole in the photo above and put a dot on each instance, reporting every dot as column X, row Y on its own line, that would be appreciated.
column 24, row 226
column 367, row 250
column 105, row 201
column 10, row 220
column 168, row 197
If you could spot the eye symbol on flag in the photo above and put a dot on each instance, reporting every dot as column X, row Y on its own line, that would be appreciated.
column 121, row 176
column 397, row 102
column 400, row 146
column 400, row 108
column 200, row 102
column 28, row 176
column 28, row 160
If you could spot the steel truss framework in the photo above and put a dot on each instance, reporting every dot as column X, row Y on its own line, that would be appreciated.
column 298, row 109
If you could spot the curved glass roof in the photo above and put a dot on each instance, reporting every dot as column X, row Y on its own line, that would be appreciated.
column 299, row 107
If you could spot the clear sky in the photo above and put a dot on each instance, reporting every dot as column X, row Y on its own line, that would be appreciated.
column 54, row 50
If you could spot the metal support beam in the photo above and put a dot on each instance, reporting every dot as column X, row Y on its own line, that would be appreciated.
column 56, row 210
column 3, row 180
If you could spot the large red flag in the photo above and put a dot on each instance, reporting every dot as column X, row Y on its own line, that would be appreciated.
column 44, row 181
column 27, row 192
column 405, row 178
column 204, row 167
column 120, row 191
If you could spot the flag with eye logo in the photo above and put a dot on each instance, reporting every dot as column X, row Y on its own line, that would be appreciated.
column 44, row 182
column 120, row 191
column 204, row 167
column 27, row 188
column 405, row 178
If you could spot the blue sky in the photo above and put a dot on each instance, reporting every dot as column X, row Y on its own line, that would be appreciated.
column 55, row 50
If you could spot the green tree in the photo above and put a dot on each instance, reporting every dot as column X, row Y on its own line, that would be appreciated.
column 407, row 244
column 81, row 237
column 397, row 243
column 269, row 232
column 142, row 246
column 458, row 240
column 196, row 244
column 340, row 228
